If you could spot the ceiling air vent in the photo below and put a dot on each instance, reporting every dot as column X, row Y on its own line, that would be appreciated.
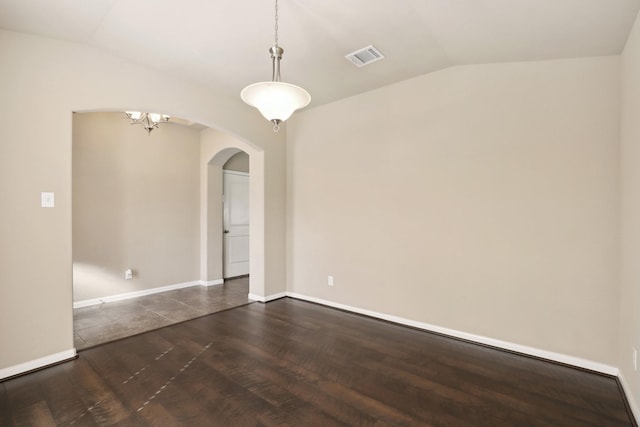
column 365, row 56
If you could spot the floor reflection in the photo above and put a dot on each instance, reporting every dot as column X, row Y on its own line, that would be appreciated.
column 98, row 324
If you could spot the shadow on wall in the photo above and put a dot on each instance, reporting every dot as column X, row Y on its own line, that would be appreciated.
column 91, row 280
column 238, row 163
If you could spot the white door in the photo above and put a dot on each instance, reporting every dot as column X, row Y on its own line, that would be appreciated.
column 236, row 224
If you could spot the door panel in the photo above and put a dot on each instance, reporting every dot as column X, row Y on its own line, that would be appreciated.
column 236, row 224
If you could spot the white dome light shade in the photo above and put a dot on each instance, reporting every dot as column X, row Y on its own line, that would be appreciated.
column 275, row 100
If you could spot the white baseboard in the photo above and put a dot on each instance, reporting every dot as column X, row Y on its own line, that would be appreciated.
column 630, row 397
column 135, row 294
column 212, row 282
column 37, row 363
column 267, row 298
column 544, row 354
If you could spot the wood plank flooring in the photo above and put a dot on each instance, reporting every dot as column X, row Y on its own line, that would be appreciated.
column 293, row 363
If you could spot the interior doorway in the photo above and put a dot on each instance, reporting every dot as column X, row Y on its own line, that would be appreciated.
column 135, row 207
column 136, row 237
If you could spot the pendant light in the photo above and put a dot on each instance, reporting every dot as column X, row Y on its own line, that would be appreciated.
column 276, row 100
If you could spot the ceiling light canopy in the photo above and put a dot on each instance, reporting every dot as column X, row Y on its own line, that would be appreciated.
column 276, row 100
column 149, row 121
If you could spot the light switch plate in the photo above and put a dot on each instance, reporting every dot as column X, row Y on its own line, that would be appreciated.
column 47, row 199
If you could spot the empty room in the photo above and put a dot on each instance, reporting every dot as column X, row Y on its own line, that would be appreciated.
column 428, row 213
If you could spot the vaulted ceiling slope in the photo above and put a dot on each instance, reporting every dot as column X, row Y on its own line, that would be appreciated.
column 223, row 44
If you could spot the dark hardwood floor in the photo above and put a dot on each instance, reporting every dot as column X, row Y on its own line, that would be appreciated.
column 293, row 363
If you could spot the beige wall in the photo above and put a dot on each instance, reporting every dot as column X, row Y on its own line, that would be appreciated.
column 630, row 227
column 482, row 199
column 135, row 205
column 43, row 82
column 239, row 162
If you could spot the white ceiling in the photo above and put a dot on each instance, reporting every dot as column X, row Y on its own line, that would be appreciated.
column 223, row 43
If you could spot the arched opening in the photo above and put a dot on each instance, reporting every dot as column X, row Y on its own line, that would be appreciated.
column 235, row 214
column 143, row 204
column 72, row 78
column 217, row 149
column 215, row 215
column 233, row 194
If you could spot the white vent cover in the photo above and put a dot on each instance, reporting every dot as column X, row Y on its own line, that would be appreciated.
column 365, row 56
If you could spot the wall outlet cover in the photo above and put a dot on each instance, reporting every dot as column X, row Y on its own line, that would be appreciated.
column 47, row 199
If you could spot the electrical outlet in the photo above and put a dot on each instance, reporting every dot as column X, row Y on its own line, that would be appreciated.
column 635, row 358
column 330, row 280
column 128, row 274
column 47, row 199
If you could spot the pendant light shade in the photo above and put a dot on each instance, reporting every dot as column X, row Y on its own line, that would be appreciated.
column 275, row 100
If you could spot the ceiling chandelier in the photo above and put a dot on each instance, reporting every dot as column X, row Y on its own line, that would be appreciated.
column 149, row 121
column 276, row 100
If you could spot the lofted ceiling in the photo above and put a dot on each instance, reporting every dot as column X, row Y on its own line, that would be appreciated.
column 223, row 44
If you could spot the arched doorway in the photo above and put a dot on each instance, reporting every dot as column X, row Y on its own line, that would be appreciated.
column 217, row 149
column 135, row 187
column 235, row 216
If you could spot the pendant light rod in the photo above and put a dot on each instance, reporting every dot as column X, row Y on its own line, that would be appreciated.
column 275, row 27
column 276, row 55
column 275, row 50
